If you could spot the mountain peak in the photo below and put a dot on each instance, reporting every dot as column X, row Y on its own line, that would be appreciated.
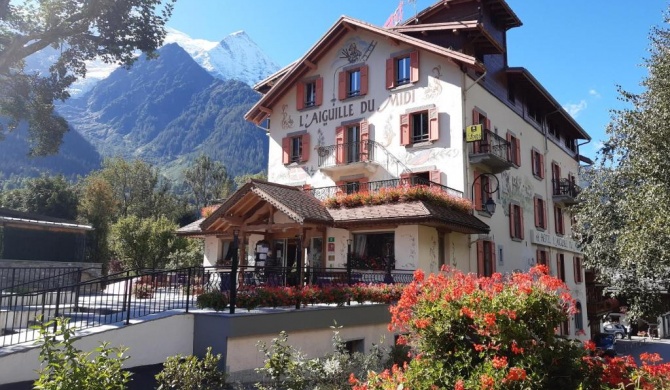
column 236, row 57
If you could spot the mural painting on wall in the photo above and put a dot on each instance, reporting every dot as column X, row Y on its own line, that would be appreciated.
column 387, row 138
column 411, row 254
column 286, row 121
column 434, row 88
column 516, row 188
column 349, row 110
column 294, row 174
column 355, row 49
column 343, row 251
column 423, row 156
column 433, row 254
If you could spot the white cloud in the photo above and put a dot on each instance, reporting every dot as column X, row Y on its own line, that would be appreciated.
column 594, row 93
column 575, row 108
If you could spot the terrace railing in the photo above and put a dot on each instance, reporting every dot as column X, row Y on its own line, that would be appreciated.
column 129, row 295
column 340, row 155
column 323, row 193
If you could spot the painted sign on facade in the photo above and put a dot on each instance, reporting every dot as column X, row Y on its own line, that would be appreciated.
column 546, row 239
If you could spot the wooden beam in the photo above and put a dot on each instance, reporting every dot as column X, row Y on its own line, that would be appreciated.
column 310, row 64
column 265, row 110
column 349, row 27
column 233, row 220
column 394, row 41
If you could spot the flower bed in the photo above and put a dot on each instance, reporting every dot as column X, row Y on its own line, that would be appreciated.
column 253, row 297
column 400, row 194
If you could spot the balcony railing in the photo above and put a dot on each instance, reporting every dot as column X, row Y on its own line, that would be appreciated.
column 491, row 152
column 348, row 153
column 323, row 193
column 565, row 191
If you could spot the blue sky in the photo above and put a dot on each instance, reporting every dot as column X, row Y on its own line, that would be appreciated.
column 580, row 50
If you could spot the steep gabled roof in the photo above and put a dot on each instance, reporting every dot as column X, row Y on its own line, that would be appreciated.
column 298, row 205
column 344, row 25
column 499, row 7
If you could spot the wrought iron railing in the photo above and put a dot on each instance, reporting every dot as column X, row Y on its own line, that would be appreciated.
column 491, row 143
column 565, row 187
column 323, row 193
column 26, row 279
column 120, row 297
column 363, row 151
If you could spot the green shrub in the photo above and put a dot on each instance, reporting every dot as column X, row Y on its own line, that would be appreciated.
column 191, row 373
column 216, row 300
column 64, row 367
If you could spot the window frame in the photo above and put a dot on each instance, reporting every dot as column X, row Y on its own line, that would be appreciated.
column 344, row 91
column 392, row 68
column 288, row 152
column 482, row 190
column 578, row 269
column 302, row 96
column 513, row 149
column 542, row 257
column 482, row 246
column 560, row 267
column 559, row 223
column 537, row 161
column 407, row 132
column 540, row 211
column 516, row 228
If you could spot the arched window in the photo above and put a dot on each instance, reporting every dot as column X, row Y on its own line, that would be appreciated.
column 579, row 322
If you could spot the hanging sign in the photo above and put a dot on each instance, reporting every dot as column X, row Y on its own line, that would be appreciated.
column 474, row 133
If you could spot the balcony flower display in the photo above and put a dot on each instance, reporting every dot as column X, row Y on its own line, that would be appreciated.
column 400, row 194
column 375, row 263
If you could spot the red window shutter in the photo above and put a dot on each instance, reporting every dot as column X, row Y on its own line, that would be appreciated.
column 300, row 96
column 365, row 136
column 518, row 152
column 487, row 125
column 478, row 191
column 363, row 184
column 545, row 223
column 390, row 73
column 521, row 225
column 541, row 156
column 537, row 212
column 512, row 212
column 480, row 258
column 433, row 124
column 339, row 143
column 342, row 86
column 286, row 150
column 493, row 257
column 435, row 176
column 404, row 129
column 414, row 66
column 319, row 91
column 364, row 80
column 304, row 156
column 538, row 256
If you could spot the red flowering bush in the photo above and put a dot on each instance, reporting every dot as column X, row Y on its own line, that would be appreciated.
column 404, row 193
column 484, row 333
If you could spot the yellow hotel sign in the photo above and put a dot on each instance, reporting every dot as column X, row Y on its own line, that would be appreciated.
column 473, row 133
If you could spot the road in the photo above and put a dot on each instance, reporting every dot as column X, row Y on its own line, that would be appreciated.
column 638, row 345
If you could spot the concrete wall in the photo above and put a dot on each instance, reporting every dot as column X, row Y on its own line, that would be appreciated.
column 148, row 342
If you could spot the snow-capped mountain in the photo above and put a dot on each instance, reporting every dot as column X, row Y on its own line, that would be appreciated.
column 236, row 57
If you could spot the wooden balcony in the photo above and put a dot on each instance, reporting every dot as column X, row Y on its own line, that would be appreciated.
column 490, row 154
column 565, row 192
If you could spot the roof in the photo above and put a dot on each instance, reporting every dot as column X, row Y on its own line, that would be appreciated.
column 503, row 10
column 343, row 26
column 23, row 218
column 192, row 229
column 478, row 33
column 295, row 203
column 410, row 212
column 264, row 85
column 527, row 77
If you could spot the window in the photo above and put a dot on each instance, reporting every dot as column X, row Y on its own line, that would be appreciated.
column 295, row 149
column 542, row 257
column 560, row 266
column 309, row 93
column 402, row 69
column 516, row 221
column 483, row 146
column 570, row 144
column 577, row 268
column 425, row 178
column 553, row 130
column 565, row 328
column 486, row 258
column 511, row 95
column 353, row 82
column 353, row 346
column 538, row 163
column 374, row 251
column 558, row 219
column 513, row 149
column 419, row 126
column 482, row 189
column 556, row 178
column 352, row 186
column 352, row 143
column 540, row 213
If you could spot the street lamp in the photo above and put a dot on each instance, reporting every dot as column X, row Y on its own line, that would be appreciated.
column 490, row 205
column 233, row 271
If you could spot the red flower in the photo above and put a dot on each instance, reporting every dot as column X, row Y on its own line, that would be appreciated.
column 516, row 374
column 499, row 362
